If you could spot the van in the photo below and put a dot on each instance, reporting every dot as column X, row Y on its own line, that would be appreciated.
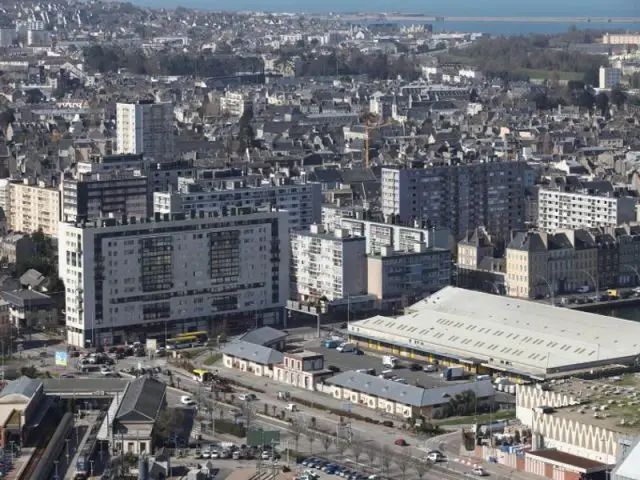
column 386, row 374
column 292, row 407
column 346, row 347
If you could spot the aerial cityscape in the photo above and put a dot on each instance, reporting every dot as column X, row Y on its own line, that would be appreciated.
column 278, row 241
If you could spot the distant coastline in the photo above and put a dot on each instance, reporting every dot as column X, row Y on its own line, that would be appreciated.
column 400, row 17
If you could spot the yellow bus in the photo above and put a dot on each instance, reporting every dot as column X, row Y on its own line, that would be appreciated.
column 181, row 343
column 202, row 376
column 202, row 335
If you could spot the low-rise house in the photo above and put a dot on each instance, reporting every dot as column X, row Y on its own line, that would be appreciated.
column 16, row 248
column 28, row 308
column 133, row 426
column 20, row 410
column 302, row 370
column 249, row 357
column 399, row 399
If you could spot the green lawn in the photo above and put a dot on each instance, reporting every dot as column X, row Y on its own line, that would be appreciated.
column 484, row 418
column 212, row 359
column 549, row 74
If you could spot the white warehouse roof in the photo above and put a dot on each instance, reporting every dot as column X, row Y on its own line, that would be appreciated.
column 506, row 333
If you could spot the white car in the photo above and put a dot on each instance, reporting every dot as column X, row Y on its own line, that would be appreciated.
column 247, row 397
column 479, row 472
column 205, row 454
column 266, row 455
column 187, row 400
column 583, row 289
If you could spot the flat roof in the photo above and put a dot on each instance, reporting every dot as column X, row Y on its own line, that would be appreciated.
column 509, row 333
column 585, row 465
column 612, row 404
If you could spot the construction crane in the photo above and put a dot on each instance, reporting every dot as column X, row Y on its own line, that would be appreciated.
column 370, row 123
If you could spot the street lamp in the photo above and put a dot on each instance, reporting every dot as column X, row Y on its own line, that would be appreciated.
column 595, row 283
column 551, row 293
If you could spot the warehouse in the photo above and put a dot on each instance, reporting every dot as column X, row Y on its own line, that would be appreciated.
column 495, row 334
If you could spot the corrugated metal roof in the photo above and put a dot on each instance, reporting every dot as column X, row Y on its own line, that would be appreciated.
column 530, row 336
column 24, row 386
column 263, row 336
column 142, row 400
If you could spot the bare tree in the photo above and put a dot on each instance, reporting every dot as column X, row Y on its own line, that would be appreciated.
column 357, row 447
column 421, row 467
column 372, row 454
column 296, row 431
column 403, row 462
column 386, row 457
column 311, row 438
column 326, row 443
column 341, row 446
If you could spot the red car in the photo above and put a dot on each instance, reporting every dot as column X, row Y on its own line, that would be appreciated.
column 401, row 442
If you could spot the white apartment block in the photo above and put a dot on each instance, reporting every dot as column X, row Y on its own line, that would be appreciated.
column 609, row 77
column 573, row 210
column 33, row 207
column 327, row 265
column 303, row 201
column 378, row 235
column 174, row 273
column 233, row 103
column 146, row 127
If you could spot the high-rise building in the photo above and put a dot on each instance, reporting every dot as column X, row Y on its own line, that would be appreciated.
column 146, row 127
column 460, row 197
column 33, row 207
column 302, row 200
column 609, row 77
column 126, row 279
column 324, row 265
column 92, row 196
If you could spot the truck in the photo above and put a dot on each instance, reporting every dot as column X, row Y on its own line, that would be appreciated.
column 331, row 343
column 346, row 347
column 454, row 372
column 389, row 361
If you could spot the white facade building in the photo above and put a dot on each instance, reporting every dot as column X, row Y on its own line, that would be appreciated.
column 146, row 127
column 574, row 210
column 378, row 235
column 173, row 274
column 232, row 103
column 329, row 265
column 7, row 36
column 303, row 201
column 609, row 77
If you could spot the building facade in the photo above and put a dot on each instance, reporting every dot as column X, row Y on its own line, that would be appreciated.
column 93, row 196
column 33, row 207
column 146, row 127
column 173, row 273
column 302, row 201
column 398, row 279
column 562, row 210
column 460, row 197
column 609, row 77
column 328, row 266
column 543, row 264
column 379, row 234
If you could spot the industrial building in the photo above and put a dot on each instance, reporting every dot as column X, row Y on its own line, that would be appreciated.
column 494, row 334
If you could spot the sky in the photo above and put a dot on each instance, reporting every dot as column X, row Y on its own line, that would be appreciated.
column 552, row 8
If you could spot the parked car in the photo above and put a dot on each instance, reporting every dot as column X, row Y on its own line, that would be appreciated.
column 401, row 442
column 479, row 472
column 187, row 400
column 415, row 367
column 247, row 397
column 333, row 368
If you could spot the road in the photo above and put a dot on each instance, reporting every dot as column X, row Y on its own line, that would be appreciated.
column 365, row 433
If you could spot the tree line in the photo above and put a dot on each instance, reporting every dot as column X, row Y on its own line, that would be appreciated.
column 510, row 54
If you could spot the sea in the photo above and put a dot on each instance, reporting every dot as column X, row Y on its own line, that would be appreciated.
column 454, row 8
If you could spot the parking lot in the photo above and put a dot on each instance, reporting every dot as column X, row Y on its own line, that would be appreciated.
column 349, row 361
